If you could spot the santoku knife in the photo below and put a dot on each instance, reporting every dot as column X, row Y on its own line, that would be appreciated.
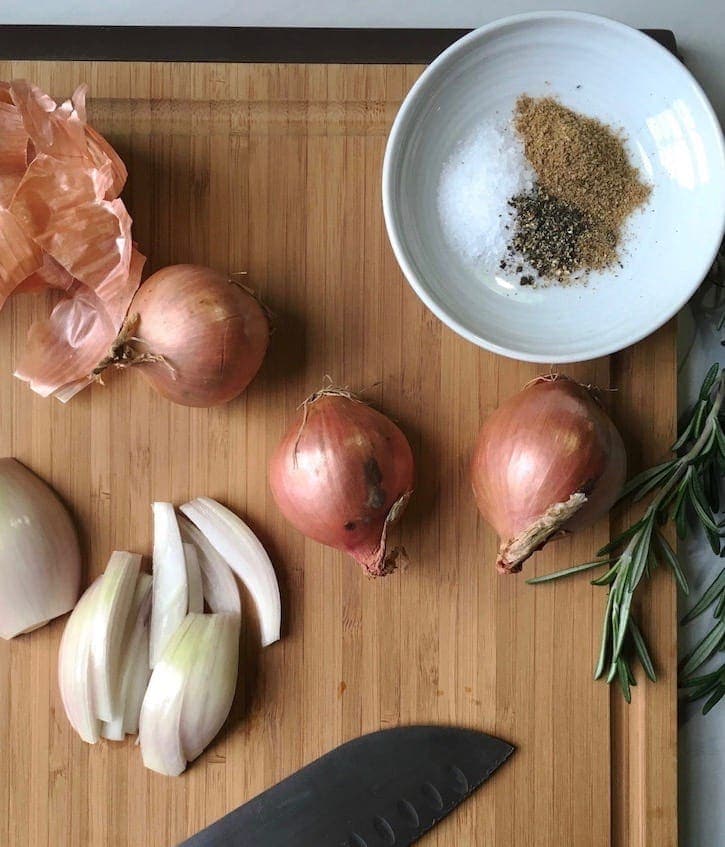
column 381, row 790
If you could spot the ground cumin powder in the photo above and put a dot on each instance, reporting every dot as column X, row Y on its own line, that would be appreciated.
column 581, row 163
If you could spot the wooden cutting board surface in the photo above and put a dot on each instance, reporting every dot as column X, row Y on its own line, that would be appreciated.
column 275, row 170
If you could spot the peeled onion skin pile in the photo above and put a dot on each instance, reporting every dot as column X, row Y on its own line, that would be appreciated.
column 342, row 474
column 198, row 337
column 548, row 461
column 63, row 226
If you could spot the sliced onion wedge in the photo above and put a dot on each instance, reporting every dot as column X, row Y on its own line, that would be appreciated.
column 134, row 669
column 159, row 725
column 243, row 552
column 190, row 692
column 211, row 681
column 139, row 674
column 112, row 607
column 193, row 578
column 74, row 678
column 170, row 588
column 218, row 585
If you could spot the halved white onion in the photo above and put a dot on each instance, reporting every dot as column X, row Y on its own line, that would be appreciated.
column 40, row 562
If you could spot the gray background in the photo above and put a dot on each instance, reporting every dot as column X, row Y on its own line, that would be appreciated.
column 700, row 30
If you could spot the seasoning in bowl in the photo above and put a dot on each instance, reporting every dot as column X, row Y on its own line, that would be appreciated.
column 542, row 198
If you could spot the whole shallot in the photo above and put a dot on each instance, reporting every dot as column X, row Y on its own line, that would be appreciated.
column 198, row 337
column 342, row 474
column 548, row 461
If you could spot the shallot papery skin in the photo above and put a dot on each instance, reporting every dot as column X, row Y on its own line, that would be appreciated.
column 548, row 461
column 341, row 475
column 199, row 338
column 62, row 226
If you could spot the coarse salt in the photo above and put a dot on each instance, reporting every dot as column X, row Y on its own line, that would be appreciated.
column 483, row 173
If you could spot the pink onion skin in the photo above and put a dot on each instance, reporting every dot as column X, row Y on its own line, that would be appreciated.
column 342, row 474
column 211, row 335
column 550, row 441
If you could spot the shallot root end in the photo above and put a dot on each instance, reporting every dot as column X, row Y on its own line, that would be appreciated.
column 123, row 354
column 514, row 552
column 383, row 561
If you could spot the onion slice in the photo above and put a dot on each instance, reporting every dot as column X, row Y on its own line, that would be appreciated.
column 74, row 677
column 112, row 607
column 170, row 588
column 241, row 549
column 40, row 562
column 190, row 692
column 219, row 588
column 211, row 680
column 193, row 577
column 134, row 670
column 159, row 725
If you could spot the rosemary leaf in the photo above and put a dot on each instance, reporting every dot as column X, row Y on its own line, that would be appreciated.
column 684, row 437
column 602, row 660
column 700, row 691
column 623, row 621
column 620, row 539
column 720, row 606
column 549, row 577
column 639, row 557
column 608, row 577
column 705, row 679
column 700, row 506
column 670, row 557
column 709, row 382
column 720, row 438
column 712, row 593
column 704, row 649
column 645, row 477
column 714, row 700
column 621, row 668
column 653, row 483
column 699, row 421
column 641, row 648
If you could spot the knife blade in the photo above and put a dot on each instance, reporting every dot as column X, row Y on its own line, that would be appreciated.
column 382, row 789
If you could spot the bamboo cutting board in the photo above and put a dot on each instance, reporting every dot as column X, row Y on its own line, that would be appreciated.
column 275, row 170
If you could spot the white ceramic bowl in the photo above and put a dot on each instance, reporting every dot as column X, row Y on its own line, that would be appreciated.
column 601, row 68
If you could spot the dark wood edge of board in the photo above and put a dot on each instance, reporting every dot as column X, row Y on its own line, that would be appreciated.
column 235, row 44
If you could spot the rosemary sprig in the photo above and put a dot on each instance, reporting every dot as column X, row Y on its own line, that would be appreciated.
column 683, row 487
column 709, row 686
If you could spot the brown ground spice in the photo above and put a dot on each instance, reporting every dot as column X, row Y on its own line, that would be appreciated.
column 581, row 162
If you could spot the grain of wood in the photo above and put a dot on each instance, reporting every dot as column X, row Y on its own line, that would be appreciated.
column 275, row 170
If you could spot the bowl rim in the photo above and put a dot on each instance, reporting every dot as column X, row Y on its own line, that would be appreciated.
column 393, row 153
